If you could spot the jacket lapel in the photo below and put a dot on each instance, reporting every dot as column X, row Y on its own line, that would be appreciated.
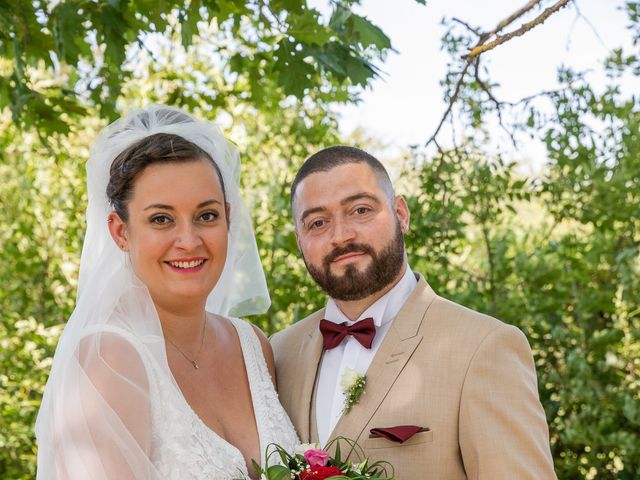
column 307, row 370
column 393, row 354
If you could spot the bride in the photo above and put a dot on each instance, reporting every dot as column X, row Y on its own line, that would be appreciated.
column 154, row 377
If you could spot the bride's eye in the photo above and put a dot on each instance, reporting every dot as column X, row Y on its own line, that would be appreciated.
column 160, row 220
column 209, row 216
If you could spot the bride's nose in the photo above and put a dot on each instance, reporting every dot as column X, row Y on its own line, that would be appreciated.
column 188, row 237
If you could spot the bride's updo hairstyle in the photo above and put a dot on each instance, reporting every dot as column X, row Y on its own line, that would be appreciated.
column 160, row 134
column 156, row 148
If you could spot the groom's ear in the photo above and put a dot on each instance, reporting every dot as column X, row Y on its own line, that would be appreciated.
column 118, row 231
column 402, row 213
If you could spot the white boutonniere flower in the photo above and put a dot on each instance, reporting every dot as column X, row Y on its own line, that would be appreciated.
column 352, row 384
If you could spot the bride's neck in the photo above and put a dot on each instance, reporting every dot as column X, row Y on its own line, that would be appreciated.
column 182, row 324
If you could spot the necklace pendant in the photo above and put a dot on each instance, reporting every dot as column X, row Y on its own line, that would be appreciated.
column 195, row 364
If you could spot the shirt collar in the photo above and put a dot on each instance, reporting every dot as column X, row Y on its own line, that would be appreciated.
column 382, row 310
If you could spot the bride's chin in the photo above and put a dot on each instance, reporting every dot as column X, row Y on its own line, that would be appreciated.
column 178, row 297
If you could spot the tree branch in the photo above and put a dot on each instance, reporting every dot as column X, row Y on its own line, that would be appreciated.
column 487, row 89
column 452, row 101
column 513, row 17
column 482, row 47
column 472, row 59
column 467, row 26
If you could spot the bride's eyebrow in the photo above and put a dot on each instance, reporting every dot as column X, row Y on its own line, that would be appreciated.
column 162, row 206
column 208, row 202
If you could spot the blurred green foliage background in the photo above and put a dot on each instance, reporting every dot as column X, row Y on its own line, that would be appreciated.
column 556, row 254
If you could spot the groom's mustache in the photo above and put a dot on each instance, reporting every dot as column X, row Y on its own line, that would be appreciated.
column 352, row 247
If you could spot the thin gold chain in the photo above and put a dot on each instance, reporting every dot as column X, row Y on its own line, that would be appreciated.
column 193, row 362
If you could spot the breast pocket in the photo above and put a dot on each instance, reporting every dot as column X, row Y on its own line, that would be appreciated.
column 418, row 438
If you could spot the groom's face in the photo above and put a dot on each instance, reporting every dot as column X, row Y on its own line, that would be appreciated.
column 350, row 231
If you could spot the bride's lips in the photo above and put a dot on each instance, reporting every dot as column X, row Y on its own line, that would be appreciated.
column 186, row 265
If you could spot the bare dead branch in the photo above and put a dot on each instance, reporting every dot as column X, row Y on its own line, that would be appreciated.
column 472, row 60
column 500, row 39
column 527, row 99
column 487, row 89
column 580, row 15
column 452, row 101
column 513, row 17
column 467, row 26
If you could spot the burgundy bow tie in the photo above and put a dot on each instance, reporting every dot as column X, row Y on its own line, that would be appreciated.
column 334, row 333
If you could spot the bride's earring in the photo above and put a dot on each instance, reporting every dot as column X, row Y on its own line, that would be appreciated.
column 125, row 252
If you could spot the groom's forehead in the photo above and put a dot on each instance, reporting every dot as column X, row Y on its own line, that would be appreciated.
column 335, row 179
column 338, row 182
column 336, row 188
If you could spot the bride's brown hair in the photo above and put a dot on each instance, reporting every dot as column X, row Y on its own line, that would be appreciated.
column 157, row 148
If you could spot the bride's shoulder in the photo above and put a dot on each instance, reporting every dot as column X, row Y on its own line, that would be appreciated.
column 246, row 326
column 264, row 341
column 112, row 352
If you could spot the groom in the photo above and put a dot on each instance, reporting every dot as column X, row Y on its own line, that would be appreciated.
column 460, row 385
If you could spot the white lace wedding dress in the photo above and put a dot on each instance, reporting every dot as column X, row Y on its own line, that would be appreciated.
column 184, row 448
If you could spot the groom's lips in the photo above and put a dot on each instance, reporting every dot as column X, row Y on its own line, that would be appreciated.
column 347, row 256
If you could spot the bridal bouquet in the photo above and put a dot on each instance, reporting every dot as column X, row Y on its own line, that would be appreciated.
column 309, row 462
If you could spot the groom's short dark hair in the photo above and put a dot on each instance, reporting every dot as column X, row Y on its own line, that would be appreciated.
column 332, row 157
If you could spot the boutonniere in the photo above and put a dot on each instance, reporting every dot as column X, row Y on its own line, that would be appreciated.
column 352, row 384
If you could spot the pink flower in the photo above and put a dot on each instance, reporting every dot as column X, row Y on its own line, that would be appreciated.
column 316, row 457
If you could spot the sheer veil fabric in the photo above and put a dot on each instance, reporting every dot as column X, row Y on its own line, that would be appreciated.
column 94, row 422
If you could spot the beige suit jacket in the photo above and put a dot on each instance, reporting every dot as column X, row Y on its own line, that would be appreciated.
column 467, row 377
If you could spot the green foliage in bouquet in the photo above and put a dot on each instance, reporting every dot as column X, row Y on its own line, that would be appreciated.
column 311, row 463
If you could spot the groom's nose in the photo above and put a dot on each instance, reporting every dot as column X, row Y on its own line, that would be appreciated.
column 342, row 231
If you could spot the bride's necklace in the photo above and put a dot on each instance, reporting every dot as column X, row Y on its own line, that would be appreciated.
column 193, row 361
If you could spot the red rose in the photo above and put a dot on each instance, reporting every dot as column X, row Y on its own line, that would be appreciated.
column 319, row 473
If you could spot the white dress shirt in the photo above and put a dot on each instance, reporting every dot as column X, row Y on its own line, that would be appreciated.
column 351, row 354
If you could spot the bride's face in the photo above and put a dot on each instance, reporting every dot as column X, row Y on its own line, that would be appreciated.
column 177, row 232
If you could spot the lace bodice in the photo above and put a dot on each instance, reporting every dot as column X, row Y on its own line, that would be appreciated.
column 184, row 448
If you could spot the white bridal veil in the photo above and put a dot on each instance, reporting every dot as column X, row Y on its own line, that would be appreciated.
column 94, row 421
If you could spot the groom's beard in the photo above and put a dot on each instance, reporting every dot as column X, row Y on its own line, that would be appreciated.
column 354, row 284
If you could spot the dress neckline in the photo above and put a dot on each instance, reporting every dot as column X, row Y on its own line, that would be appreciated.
column 246, row 345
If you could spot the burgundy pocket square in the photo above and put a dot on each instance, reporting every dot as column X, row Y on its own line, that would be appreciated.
column 399, row 434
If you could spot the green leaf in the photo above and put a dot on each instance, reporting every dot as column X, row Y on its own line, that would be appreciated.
column 359, row 71
column 339, row 17
column 332, row 57
column 369, row 34
column 111, row 29
column 189, row 22
column 278, row 472
column 306, row 28
column 288, row 5
column 69, row 32
column 294, row 75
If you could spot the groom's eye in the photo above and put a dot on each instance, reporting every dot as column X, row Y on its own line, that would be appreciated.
column 316, row 224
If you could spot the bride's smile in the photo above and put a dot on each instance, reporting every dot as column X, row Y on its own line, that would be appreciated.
column 187, row 265
column 177, row 230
